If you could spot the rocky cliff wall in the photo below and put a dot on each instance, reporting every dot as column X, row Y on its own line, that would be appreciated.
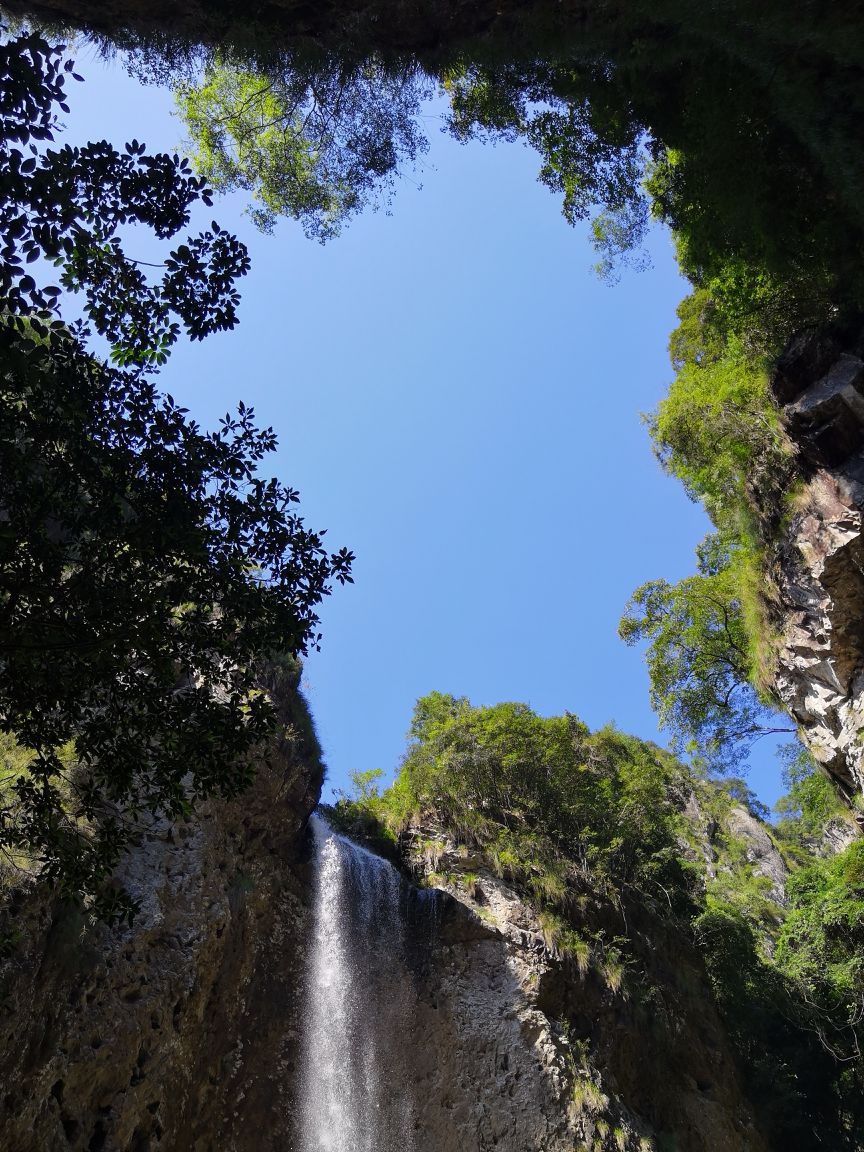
column 819, row 560
column 179, row 1033
column 182, row 1034
column 520, row 1050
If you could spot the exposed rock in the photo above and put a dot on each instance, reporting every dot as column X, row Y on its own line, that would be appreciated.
column 498, row 1068
column 762, row 852
column 836, row 836
column 827, row 420
column 490, row 1070
column 183, row 1032
column 177, row 1033
column 819, row 567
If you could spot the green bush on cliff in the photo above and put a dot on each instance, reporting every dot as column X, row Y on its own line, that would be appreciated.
column 718, row 429
column 821, row 948
column 593, row 830
column 795, row 1085
column 545, row 796
column 571, row 817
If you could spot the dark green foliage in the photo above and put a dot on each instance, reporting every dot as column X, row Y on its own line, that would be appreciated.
column 66, row 205
column 592, row 153
column 736, row 125
column 821, row 948
column 787, row 978
column 795, row 1018
column 796, row 1087
column 146, row 569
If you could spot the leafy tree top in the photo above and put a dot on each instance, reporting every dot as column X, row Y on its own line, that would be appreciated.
column 65, row 205
column 147, row 570
column 700, row 661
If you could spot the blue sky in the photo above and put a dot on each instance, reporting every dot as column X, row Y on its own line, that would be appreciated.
column 458, row 400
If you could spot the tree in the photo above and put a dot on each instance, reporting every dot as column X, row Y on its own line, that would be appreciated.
column 146, row 569
column 317, row 148
column 65, row 206
column 592, row 154
column 711, row 91
column 699, row 659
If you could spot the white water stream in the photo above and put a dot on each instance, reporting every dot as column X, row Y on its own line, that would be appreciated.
column 358, row 996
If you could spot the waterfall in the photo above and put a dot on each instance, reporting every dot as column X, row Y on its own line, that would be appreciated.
column 358, row 1000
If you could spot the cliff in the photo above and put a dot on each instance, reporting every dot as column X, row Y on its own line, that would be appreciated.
column 514, row 1000
column 186, row 1030
column 529, row 1050
column 818, row 563
column 175, row 1033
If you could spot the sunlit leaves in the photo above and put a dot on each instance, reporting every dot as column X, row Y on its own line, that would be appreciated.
column 315, row 147
column 699, row 660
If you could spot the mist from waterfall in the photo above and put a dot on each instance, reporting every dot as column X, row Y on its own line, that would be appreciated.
column 358, row 1001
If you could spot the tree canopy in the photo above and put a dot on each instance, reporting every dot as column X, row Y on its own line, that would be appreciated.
column 146, row 568
column 318, row 149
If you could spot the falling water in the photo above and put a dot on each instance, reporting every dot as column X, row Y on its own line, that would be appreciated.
column 358, row 999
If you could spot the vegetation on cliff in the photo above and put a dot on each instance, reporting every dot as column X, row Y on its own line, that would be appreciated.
column 618, row 844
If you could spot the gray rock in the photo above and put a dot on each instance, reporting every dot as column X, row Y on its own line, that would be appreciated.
column 821, row 651
column 762, row 852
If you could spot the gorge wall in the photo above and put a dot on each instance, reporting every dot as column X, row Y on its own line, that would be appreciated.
column 179, row 1032
column 192, row 1030
column 518, row 1049
column 819, row 559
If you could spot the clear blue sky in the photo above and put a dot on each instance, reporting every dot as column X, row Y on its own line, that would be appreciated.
column 458, row 400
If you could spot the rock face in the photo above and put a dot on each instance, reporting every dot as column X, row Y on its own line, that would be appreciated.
column 496, row 1067
column 490, row 1069
column 820, row 560
column 179, row 1033
column 763, row 855
column 184, row 1033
